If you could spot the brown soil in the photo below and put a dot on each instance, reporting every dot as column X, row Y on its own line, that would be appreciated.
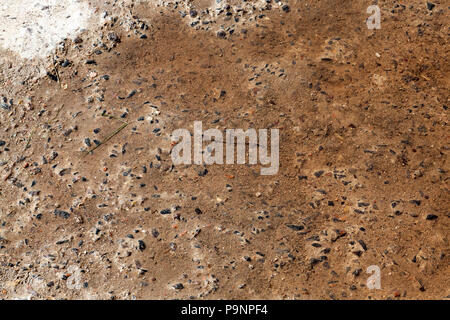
column 363, row 119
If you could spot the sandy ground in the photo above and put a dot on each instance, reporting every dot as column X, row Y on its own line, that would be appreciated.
column 363, row 178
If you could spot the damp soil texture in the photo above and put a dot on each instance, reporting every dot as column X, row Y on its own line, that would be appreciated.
column 93, row 207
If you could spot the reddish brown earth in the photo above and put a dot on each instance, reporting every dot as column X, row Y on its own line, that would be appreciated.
column 363, row 120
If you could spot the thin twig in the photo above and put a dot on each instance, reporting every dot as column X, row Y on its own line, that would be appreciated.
column 123, row 126
column 56, row 70
column 57, row 113
column 29, row 139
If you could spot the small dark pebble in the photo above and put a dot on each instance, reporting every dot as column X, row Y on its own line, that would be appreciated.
column 178, row 286
column 62, row 214
column 314, row 261
column 166, row 211
column 295, row 227
column 142, row 245
column 65, row 63
column 221, row 34
column 52, row 76
column 53, row 156
column 203, row 172
column 363, row 244
column 357, row 272
column 132, row 93
column 358, row 253
column 318, row 173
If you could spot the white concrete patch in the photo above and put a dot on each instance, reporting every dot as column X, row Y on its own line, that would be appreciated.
column 33, row 28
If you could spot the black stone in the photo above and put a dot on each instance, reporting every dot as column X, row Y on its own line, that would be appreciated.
column 166, row 211
column 142, row 245
column 61, row 213
column 178, row 286
column 295, row 227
